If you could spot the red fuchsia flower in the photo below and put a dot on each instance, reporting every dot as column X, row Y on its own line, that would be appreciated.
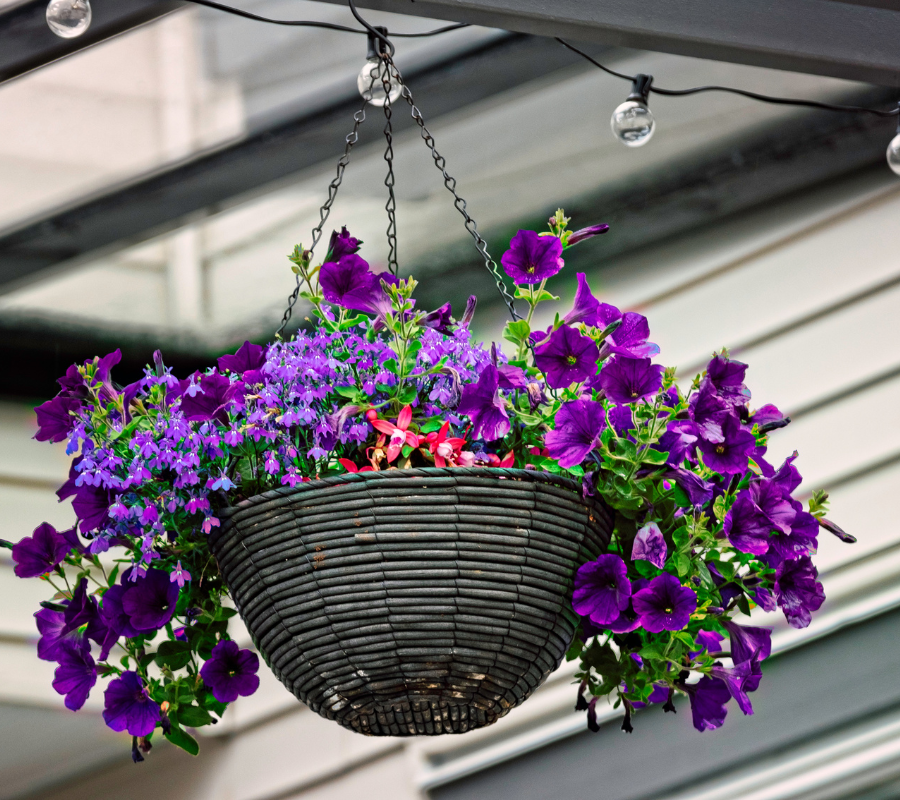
column 444, row 449
column 399, row 433
column 508, row 461
column 532, row 258
column 348, row 465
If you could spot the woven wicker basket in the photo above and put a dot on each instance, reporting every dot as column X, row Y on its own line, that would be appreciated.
column 412, row 602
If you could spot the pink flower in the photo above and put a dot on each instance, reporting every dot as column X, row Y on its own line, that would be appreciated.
column 399, row 433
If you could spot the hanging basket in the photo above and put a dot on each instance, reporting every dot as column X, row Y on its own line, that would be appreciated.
column 412, row 602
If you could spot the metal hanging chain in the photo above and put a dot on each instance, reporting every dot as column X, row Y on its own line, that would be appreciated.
column 351, row 139
column 450, row 182
column 391, row 205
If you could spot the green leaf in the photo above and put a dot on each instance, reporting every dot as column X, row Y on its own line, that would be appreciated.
column 651, row 651
column 682, row 564
column 391, row 366
column 602, row 658
column 654, row 457
column 193, row 716
column 719, row 508
column 183, row 740
column 680, row 497
column 347, row 391
column 223, row 612
column 681, row 536
column 173, row 655
column 407, row 395
column 517, row 332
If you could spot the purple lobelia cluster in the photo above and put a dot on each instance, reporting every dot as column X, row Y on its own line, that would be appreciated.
column 705, row 527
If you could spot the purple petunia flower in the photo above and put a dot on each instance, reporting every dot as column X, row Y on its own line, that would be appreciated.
column 602, row 589
column 709, row 641
column 586, row 307
column 630, row 380
column 439, row 319
column 41, row 552
column 708, row 698
column 748, row 642
column 699, row 491
column 342, row 244
column 743, row 677
column 567, row 357
column 726, row 378
column 482, row 404
column 75, row 676
column 56, row 418
column 730, row 456
column 708, row 413
column 650, row 545
column 532, row 258
column 349, row 283
column 216, row 394
column 247, row 361
column 51, row 626
column 746, row 527
column 587, row 233
column 665, row 604
column 129, row 707
column 81, row 611
column 797, row 591
column 679, row 441
column 231, row 672
column 578, row 428
column 150, row 601
column 630, row 338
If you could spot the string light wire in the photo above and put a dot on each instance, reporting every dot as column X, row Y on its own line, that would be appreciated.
column 762, row 98
column 366, row 30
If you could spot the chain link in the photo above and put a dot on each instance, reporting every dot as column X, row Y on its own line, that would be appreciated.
column 391, row 205
column 450, row 183
column 351, row 139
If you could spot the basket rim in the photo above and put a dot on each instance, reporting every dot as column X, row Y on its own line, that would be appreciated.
column 495, row 473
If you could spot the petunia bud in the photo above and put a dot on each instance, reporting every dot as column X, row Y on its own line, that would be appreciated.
column 670, row 705
column 136, row 756
column 587, row 233
column 469, row 312
column 837, row 530
column 774, row 425
column 626, row 723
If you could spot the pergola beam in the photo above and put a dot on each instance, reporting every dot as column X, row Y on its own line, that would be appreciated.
column 852, row 39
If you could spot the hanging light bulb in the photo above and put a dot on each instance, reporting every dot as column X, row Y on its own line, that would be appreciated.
column 69, row 18
column 371, row 77
column 632, row 122
column 893, row 151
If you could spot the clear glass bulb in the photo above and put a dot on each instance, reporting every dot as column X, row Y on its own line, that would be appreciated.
column 893, row 154
column 69, row 18
column 371, row 83
column 632, row 123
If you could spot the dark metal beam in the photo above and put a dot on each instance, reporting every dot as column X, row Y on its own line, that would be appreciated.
column 214, row 180
column 26, row 43
column 856, row 40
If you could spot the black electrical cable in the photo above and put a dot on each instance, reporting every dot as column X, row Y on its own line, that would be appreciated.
column 329, row 25
column 763, row 98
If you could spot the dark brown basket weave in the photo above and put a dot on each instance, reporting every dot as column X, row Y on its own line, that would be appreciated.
column 412, row 602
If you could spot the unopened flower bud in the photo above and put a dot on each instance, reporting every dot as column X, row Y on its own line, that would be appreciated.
column 587, row 233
